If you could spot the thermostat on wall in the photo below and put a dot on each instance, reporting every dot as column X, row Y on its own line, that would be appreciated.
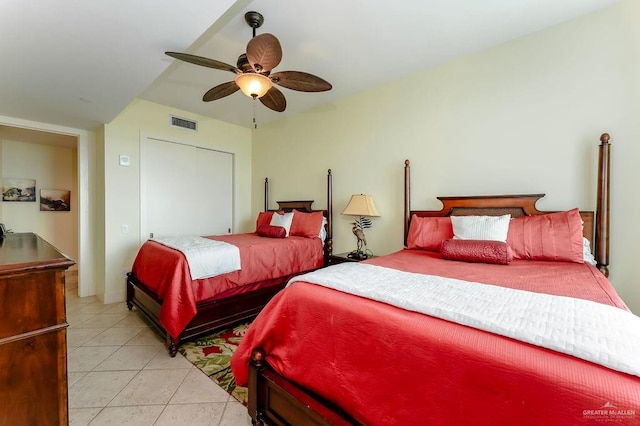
column 124, row 160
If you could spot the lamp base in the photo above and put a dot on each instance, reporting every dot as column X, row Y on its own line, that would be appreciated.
column 358, row 254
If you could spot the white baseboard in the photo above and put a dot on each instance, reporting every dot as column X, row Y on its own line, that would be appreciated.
column 114, row 297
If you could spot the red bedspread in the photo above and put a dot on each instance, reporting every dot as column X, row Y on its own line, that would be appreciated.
column 165, row 271
column 386, row 365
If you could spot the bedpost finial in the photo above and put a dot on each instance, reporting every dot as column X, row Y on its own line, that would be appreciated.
column 604, row 138
column 406, row 163
column 329, row 171
column 257, row 354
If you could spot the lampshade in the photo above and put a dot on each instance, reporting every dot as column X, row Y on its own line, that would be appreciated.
column 361, row 205
column 253, row 84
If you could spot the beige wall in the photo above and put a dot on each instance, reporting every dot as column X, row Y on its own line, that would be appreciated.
column 121, row 184
column 524, row 117
column 53, row 167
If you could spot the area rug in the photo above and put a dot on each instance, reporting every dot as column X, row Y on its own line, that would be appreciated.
column 212, row 354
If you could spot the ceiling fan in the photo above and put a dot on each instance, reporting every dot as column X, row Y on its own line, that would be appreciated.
column 253, row 71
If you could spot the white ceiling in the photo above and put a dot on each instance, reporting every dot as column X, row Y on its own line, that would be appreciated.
column 78, row 63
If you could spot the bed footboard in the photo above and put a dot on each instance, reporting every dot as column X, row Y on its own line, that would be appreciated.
column 210, row 316
column 273, row 400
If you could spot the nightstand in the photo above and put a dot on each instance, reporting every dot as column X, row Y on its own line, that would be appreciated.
column 334, row 259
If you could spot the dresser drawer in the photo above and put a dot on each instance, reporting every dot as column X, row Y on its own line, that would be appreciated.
column 33, row 378
column 31, row 301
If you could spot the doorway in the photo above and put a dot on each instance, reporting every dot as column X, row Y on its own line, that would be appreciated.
column 79, row 140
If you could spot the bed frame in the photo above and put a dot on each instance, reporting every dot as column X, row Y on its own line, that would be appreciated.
column 219, row 313
column 275, row 400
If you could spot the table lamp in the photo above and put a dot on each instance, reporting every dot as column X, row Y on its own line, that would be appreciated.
column 360, row 205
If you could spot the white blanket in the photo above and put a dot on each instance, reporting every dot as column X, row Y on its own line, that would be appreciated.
column 599, row 333
column 206, row 258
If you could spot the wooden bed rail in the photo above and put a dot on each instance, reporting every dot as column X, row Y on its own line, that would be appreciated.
column 525, row 205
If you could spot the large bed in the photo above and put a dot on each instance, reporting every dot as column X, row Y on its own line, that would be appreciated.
column 320, row 354
column 181, row 305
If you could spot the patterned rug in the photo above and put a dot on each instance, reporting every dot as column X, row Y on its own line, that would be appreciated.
column 212, row 354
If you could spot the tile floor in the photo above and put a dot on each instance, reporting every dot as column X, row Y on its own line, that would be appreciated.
column 121, row 373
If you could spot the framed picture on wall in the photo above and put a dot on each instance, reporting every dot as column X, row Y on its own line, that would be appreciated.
column 14, row 189
column 55, row 200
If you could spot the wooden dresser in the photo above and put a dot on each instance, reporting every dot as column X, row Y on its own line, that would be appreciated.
column 33, row 332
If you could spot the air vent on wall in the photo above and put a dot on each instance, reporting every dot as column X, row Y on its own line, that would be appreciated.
column 184, row 123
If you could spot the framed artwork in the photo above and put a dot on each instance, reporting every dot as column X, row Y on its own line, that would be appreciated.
column 18, row 189
column 55, row 200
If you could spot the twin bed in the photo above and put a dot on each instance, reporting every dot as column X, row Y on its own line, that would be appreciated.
column 521, row 331
column 181, row 306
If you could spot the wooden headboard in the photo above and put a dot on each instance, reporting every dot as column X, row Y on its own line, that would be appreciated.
column 305, row 206
column 596, row 224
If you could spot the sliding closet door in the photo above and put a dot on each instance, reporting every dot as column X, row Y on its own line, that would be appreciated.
column 214, row 171
column 185, row 190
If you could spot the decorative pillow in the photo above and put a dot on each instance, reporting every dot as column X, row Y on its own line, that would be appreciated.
column 271, row 231
column 483, row 251
column 283, row 220
column 428, row 233
column 264, row 218
column 492, row 228
column 306, row 224
column 552, row 236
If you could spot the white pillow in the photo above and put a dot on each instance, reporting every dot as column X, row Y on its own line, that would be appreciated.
column 586, row 252
column 493, row 228
column 283, row 220
column 323, row 232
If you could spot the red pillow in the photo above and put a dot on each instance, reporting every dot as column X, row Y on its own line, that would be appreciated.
column 552, row 236
column 482, row 251
column 306, row 224
column 428, row 233
column 271, row 231
column 264, row 218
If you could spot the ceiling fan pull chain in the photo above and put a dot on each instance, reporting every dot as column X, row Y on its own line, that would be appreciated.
column 255, row 112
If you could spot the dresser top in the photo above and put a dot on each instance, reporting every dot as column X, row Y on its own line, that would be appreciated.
column 25, row 251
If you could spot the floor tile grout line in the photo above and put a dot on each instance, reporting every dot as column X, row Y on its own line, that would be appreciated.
column 118, row 393
column 172, row 395
column 101, row 409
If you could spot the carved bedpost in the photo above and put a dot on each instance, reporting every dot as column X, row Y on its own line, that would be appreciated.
column 266, row 194
column 329, row 243
column 602, row 209
column 254, row 404
column 407, row 200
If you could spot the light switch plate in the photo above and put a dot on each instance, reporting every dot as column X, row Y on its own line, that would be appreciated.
column 124, row 160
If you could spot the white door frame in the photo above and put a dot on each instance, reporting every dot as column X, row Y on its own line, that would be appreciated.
column 87, row 279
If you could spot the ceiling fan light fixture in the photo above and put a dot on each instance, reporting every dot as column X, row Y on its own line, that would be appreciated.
column 253, row 85
column 253, row 72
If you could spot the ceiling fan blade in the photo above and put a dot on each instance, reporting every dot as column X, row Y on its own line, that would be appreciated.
column 220, row 91
column 300, row 81
column 274, row 99
column 264, row 52
column 205, row 62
